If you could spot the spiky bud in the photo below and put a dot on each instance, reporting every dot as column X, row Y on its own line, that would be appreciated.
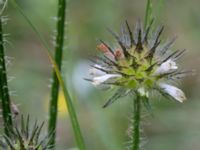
column 25, row 137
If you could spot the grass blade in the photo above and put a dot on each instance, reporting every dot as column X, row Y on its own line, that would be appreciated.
column 153, row 12
column 158, row 9
column 148, row 13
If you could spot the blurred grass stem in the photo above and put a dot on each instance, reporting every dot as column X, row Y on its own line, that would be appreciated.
column 148, row 13
column 53, row 107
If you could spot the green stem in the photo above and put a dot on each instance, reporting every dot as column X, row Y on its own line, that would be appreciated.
column 53, row 108
column 4, row 92
column 148, row 13
column 136, row 122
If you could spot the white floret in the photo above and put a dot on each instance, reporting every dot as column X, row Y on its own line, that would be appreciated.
column 166, row 67
column 173, row 91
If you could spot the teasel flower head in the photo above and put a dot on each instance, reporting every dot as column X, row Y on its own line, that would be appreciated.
column 140, row 63
column 25, row 137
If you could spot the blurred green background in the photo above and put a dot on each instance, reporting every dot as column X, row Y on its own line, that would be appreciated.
column 173, row 125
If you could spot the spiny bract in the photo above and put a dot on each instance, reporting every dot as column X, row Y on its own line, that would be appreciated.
column 140, row 63
column 25, row 138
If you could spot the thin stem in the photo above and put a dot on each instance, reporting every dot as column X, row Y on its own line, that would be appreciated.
column 136, row 122
column 53, row 108
column 148, row 13
column 159, row 8
column 4, row 92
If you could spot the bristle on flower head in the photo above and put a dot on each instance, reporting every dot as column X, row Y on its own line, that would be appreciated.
column 138, row 61
column 26, row 137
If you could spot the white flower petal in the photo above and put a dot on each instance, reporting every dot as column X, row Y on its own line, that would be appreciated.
column 96, row 72
column 166, row 67
column 173, row 91
column 101, row 79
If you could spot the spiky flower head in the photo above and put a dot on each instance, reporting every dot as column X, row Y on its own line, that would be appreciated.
column 139, row 63
column 25, row 138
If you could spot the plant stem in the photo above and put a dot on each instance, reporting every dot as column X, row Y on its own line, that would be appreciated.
column 148, row 13
column 4, row 92
column 53, row 108
column 136, row 122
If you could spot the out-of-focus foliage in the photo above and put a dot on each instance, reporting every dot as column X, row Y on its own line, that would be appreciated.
column 173, row 126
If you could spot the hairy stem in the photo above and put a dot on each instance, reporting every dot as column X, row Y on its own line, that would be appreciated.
column 136, row 122
column 4, row 92
column 53, row 108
